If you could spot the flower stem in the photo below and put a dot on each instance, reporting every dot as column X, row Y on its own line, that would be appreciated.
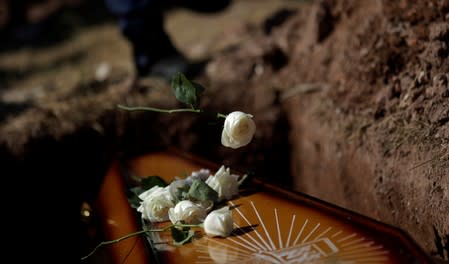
column 109, row 242
column 244, row 177
column 220, row 115
column 169, row 111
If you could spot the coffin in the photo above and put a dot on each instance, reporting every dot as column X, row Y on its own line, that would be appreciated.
column 272, row 224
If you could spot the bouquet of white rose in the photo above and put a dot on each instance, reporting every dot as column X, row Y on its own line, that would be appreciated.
column 193, row 201
column 190, row 202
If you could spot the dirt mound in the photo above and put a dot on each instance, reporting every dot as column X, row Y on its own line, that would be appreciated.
column 364, row 85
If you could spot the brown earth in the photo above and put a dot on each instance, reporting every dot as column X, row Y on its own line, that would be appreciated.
column 351, row 101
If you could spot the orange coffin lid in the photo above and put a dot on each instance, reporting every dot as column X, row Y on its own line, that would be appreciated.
column 272, row 225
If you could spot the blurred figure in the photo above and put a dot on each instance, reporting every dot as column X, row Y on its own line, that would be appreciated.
column 142, row 23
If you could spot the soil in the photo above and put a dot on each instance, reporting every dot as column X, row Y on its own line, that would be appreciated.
column 350, row 98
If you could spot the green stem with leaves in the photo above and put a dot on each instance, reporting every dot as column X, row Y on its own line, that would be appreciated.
column 137, row 233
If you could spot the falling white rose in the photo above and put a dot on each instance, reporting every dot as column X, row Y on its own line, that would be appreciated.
column 238, row 130
column 224, row 183
column 155, row 204
column 187, row 212
column 219, row 223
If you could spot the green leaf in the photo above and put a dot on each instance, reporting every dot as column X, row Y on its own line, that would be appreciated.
column 200, row 191
column 134, row 201
column 181, row 192
column 133, row 196
column 146, row 184
column 151, row 181
column 186, row 91
column 181, row 236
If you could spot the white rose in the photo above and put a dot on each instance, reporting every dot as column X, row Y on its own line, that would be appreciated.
column 201, row 174
column 224, row 183
column 219, row 223
column 238, row 130
column 187, row 212
column 155, row 204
